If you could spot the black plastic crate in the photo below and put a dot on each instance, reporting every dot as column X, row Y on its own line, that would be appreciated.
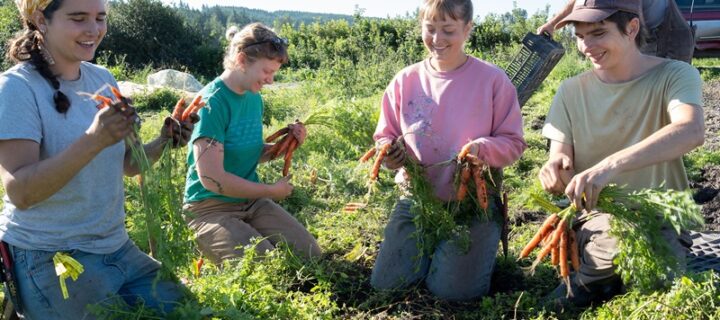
column 704, row 254
column 537, row 57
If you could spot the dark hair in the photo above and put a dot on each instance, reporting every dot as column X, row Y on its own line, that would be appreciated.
column 622, row 19
column 257, row 41
column 27, row 46
column 456, row 9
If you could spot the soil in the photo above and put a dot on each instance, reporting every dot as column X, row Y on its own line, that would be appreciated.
column 707, row 185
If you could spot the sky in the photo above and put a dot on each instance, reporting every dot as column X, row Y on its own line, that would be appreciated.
column 374, row 8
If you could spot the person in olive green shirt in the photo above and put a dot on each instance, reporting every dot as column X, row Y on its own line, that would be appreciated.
column 229, row 205
column 627, row 121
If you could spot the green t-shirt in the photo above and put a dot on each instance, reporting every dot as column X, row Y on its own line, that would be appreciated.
column 235, row 121
column 599, row 119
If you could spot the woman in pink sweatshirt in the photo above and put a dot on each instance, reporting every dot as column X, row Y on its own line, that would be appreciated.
column 438, row 106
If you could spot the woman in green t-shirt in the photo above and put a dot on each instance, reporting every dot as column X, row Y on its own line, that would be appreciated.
column 228, row 203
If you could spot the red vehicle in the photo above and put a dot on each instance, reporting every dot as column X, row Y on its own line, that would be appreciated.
column 704, row 17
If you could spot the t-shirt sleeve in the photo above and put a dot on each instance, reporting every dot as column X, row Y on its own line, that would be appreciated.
column 685, row 87
column 558, row 126
column 18, row 108
column 214, row 119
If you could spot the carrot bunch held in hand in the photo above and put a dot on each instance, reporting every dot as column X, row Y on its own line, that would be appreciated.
column 382, row 152
column 472, row 167
column 182, row 113
column 556, row 238
column 287, row 145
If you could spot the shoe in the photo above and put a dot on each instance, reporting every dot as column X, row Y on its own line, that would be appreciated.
column 582, row 296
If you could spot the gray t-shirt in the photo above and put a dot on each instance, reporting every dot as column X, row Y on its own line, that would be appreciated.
column 654, row 12
column 86, row 214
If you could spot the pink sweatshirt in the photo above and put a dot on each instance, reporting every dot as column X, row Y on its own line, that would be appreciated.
column 439, row 112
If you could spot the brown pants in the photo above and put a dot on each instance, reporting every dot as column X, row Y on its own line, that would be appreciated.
column 222, row 228
column 598, row 248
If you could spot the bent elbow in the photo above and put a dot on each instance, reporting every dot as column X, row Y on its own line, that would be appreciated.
column 698, row 136
column 211, row 184
column 20, row 202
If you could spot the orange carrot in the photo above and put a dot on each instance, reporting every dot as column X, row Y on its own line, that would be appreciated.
column 542, row 254
column 547, row 237
column 198, row 267
column 555, row 256
column 564, row 268
column 179, row 108
column 544, row 230
column 464, row 179
column 557, row 234
column 559, row 230
column 480, row 188
column 464, row 151
column 368, row 154
column 117, row 94
column 105, row 101
column 192, row 108
column 282, row 145
column 574, row 251
column 277, row 134
column 378, row 161
column 288, row 156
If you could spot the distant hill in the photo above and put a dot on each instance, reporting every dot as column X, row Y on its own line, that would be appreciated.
column 227, row 15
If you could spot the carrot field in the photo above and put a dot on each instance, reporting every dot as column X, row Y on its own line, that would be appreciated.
column 340, row 70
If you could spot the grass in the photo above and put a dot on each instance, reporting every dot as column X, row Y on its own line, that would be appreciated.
column 283, row 286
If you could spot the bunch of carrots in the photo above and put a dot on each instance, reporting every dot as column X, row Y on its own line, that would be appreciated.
column 471, row 166
column 288, row 144
column 375, row 169
column 556, row 238
column 181, row 113
column 381, row 152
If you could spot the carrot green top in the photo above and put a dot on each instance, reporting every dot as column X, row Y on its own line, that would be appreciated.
column 235, row 121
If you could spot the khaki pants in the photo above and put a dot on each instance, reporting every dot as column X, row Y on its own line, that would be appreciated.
column 598, row 248
column 223, row 228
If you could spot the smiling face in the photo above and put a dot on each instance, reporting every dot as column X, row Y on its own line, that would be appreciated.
column 258, row 73
column 445, row 38
column 604, row 44
column 75, row 30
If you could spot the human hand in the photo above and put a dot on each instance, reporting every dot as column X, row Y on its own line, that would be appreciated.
column 178, row 132
column 584, row 188
column 281, row 189
column 298, row 131
column 395, row 157
column 556, row 173
column 546, row 28
column 112, row 124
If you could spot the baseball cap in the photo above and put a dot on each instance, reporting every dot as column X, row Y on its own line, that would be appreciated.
column 598, row 10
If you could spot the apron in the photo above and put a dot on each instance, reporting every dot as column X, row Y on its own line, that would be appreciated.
column 677, row 39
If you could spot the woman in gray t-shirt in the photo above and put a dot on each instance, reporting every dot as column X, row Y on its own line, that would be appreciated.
column 62, row 163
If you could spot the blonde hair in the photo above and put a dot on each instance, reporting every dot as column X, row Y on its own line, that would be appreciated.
column 440, row 9
column 257, row 41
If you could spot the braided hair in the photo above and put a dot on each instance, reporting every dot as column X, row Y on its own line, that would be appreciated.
column 28, row 46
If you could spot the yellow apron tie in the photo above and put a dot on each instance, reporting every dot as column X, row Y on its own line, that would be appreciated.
column 66, row 267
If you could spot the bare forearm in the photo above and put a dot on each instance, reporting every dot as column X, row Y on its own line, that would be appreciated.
column 566, row 10
column 153, row 150
column 670, row 142
column 36, row 182
column 230, row 185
